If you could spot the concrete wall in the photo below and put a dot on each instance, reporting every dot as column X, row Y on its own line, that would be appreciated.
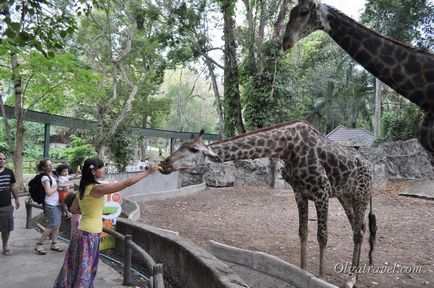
column 131, row 209
column 261, row 270
column 185, row 264
column 153, row 183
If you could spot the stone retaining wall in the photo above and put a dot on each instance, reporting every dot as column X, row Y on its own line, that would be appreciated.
column 401, row 159
column 261, row 270
column 185, row 264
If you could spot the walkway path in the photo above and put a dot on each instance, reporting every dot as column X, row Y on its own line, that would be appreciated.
column 26, row 269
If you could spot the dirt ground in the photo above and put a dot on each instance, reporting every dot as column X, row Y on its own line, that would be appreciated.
column 266, row 220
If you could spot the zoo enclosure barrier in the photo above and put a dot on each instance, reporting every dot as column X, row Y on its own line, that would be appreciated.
column 29, row 166
column 156, row 269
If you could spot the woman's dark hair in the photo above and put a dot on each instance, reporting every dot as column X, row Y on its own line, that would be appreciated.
column 61, row 167
column 69, row 199
column 41, row 163
column 87, row 176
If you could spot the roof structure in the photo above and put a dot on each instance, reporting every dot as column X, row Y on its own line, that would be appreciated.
column 351, row 136
column 55, row 120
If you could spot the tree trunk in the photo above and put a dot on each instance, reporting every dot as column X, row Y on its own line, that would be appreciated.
column 7, row 127
column 378, row 88
column 377, row 118
column 262, row 21
column 19, row 137
column 251, row 33
column 143, row 139
column 218, row 101
column 232, row 105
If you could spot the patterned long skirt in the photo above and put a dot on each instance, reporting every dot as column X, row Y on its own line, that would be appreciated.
column 81, row 262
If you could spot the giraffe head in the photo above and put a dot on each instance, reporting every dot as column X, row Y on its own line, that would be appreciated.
column 190, row 155
column 306, row 17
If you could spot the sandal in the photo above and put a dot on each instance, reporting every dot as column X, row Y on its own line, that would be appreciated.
column 56, row 248
column 40, row 250
column 7, row 252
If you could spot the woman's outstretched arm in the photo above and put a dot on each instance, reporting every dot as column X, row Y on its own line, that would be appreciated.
column 100, row 190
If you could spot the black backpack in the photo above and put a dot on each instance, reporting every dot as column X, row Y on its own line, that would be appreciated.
column 36, row 189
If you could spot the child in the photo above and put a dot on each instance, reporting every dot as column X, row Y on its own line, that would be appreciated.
column 63, row 184
column 73, row 207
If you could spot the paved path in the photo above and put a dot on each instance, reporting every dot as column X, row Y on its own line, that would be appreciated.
column 26, row 269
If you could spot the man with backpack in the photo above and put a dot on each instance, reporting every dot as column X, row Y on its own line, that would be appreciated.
column 7, row 187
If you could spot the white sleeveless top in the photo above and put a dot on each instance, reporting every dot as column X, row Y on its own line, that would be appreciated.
column 53, row 199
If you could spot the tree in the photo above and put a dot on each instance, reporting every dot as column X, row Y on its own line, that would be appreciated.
column 126, row 54
column 329, row 85
column 27, row 25
column 408, row 21
column 267, row 78
column 231, row 101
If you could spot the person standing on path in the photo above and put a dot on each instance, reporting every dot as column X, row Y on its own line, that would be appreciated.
column 7, row 187
column 81, row 259
column 52, row 208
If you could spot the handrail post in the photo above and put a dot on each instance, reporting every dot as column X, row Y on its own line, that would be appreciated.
column 127, row 260
column 28, row 214
column 158, row 276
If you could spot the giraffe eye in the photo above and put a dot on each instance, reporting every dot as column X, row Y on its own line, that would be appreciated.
column 304, row 13
column 194, row 150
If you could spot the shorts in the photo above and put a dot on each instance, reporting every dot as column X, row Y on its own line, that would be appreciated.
column 54, row 215
column 6, row 218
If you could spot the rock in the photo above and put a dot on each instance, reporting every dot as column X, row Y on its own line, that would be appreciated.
column 402, row 160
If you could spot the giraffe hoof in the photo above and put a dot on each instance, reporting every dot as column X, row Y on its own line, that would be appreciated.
column 350, row 283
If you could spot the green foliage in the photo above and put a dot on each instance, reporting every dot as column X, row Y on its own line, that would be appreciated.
column 158, row 109
column 42, row 25
column 79, row 151
column 191, row 102
column 402, row 127
column 408, row 21
column 328, row 86
column 58, row 154
column 267, row 95
column 121, row 148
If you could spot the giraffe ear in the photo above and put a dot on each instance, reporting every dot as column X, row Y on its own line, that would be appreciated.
column 199, row 137
column 212, row 156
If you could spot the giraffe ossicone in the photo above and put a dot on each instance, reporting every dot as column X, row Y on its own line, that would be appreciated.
column 317, row 169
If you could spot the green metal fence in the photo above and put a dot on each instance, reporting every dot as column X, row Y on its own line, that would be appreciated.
column 29, row 166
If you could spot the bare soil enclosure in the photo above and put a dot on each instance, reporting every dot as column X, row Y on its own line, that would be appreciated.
column 266, row 220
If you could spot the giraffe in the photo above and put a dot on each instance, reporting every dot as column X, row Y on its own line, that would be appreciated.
column 315, row 167
column 407, row 70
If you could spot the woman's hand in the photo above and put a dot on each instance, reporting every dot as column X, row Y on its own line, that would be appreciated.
column 152, row 168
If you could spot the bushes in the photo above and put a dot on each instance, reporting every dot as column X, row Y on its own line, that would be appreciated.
column 79, row 151
column 402, row 127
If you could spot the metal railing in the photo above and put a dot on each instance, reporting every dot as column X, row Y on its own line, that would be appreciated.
column 156, row 269
column 29, row 166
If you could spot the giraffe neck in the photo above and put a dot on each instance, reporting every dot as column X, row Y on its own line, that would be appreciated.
column 269, row 142
column 401, row 67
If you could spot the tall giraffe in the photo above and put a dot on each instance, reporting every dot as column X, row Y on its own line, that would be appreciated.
column 407, row 70
column 317, row 169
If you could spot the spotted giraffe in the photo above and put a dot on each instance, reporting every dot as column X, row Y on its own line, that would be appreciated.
column 317, row 169
column 407, row 70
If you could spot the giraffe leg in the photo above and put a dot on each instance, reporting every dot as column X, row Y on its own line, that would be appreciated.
column 358, row 230
column 303, row 214
column 322, row 206
column 348, row 208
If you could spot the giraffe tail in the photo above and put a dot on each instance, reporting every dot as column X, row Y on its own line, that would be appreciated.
column 372, row 231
